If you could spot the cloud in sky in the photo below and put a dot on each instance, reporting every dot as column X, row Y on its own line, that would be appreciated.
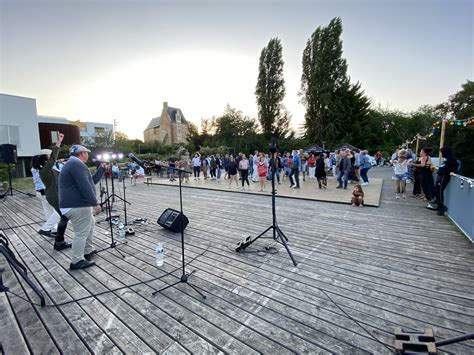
column 102, row 60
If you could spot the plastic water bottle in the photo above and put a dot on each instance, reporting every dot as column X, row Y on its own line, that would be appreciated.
column 121, row 232
column 160, row 253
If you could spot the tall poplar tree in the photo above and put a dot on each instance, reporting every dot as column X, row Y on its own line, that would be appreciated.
column 324, row 73
column 270, row 91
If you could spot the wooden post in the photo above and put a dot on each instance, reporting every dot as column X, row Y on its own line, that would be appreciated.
column 417, row 144
column 441, row 141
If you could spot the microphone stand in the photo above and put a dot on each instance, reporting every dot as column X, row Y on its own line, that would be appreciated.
column 113, row 195
column 278, row 234
column 184, row 276
column 113, row 243
column 11, row 188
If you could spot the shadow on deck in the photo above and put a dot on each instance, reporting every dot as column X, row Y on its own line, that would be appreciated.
column 361, row 272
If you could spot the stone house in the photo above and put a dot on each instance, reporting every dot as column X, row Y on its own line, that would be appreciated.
column 169, row 128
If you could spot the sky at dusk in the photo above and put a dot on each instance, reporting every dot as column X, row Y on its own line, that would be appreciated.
column 100, row 60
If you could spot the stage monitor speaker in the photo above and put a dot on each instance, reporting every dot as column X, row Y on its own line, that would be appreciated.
column 8, row 154
column 173, row 220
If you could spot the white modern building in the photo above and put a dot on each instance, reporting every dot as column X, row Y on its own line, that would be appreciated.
column 89, row 130
column 52, row 119
column 20, row 125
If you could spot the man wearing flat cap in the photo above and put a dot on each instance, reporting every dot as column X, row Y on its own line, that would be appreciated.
column 78, row 202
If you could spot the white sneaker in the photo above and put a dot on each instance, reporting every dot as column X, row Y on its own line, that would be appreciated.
column 404, row 195
column 397, row 196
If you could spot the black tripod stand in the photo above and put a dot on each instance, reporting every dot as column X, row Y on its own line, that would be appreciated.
column 111, row 198
column 18, row 266
column 184, row 275
column 11, row 188
column 278, row 235
column 113, row 243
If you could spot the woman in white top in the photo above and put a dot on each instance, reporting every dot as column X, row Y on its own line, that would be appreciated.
column 244, row 166
column 197, row 165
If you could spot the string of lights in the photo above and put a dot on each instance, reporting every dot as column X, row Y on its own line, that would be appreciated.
column 468, row 181
column 451, row 121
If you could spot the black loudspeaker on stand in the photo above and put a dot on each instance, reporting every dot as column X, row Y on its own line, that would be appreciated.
column 8, row 156
column 177, row 220
column 278, row 234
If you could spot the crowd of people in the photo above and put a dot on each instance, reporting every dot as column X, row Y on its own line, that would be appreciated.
column 344, row 164
column 408, row 168
column 68, row 194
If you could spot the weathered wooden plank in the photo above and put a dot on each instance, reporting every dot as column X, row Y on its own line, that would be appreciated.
column 376, row 274
column 44, row 268
column 11, row 337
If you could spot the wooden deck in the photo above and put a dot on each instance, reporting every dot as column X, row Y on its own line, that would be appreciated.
column 360, row 273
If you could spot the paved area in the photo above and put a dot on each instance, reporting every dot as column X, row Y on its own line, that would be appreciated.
column 309, row 189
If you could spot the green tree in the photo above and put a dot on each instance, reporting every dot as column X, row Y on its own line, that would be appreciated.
column 270, row 91
column 460, row 138
column 207, row 130
column 324, row 73
column 193, row 138
column 352, row 112
column 234, row 129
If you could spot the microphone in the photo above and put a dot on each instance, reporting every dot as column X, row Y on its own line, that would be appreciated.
column 136, row 160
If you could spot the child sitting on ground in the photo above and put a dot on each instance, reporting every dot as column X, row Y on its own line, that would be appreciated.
column 357, row 196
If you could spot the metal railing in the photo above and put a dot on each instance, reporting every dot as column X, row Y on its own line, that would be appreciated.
column 459, row 198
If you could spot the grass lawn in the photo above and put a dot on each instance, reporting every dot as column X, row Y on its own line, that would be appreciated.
column 20, row 184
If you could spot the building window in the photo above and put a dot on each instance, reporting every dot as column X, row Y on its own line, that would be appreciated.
column 99, row 130
column 10, row 135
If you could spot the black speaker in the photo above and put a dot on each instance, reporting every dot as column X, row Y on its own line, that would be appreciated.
column 173, row 220
column 8, row 153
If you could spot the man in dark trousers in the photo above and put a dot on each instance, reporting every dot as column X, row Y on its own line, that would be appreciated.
column 78, row 202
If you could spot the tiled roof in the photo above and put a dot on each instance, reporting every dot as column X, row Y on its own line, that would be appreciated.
column 172, row 111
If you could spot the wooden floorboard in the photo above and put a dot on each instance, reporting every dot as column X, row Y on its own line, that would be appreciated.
column 361, row 272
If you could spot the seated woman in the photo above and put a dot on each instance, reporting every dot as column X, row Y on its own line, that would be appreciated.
column 138, row 173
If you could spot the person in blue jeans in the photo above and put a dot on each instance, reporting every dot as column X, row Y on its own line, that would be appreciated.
column 365, row 165
column 295, row 169
column 344, row 170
